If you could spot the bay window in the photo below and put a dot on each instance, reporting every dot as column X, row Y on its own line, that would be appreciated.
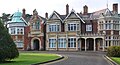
column 12, row 31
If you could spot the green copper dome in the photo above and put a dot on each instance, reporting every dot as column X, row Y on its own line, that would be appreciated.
column 17, row 17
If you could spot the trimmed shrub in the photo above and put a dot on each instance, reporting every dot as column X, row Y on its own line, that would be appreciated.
column 113, row 51
column 8, row 48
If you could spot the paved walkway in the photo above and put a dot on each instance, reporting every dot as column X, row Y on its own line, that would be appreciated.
column 79, row 58
column 82, row 58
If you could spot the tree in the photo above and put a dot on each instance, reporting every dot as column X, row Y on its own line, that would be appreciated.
column 8, row 49
column 5, row 18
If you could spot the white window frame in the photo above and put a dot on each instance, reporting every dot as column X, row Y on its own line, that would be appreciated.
column 19, row 44
column 12, row 30
column 73, row 26
column 54, row 27
column 71, row 42
column 20, row 30
column 52, row 43
column 89, row 27
column 36, row 26
column 61, row 43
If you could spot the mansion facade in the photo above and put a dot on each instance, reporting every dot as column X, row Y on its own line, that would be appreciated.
column 73, row 31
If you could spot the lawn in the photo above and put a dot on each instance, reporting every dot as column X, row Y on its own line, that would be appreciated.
column 31, row 58
column 116, row 59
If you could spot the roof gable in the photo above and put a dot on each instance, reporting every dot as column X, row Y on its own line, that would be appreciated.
column 35, row 17
column 55, row 15
column 72, row 15
column 108, row 12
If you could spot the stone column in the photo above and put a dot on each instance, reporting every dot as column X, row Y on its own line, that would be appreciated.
column 85, row 45
column 112, row 41
column 94, row 45
column 80, row 45
column 47, row 42
column 56, row 42
column 66, row 42
column 76, row 45
column 103, row 45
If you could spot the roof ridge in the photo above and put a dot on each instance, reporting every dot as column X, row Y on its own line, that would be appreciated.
column 100, row 10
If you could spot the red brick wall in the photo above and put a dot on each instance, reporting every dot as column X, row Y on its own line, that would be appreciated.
column 42, row 42
column 108, row 32
column 83, row 27
column 26, row 39
column 95, row 26
column 62, row 27
column 116, row 32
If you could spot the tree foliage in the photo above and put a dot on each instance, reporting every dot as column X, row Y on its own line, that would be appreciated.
column 113, row 51
column 8, row 48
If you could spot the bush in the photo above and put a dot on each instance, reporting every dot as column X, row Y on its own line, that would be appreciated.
column 8, row 48
column 113, row 51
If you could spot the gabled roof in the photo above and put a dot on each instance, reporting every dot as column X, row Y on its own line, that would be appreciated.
column 27, row 17
column 73, row 12
column 103, row 12
column 44, row 20
column 108, row 12
column 62, row 17
column 57, row 14
column 96, row 14
column 39, row 18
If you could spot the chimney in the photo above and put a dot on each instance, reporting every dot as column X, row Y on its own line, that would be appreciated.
column 23, row 13
column 85, row 9
column 46, row 15
column 115, row 8
column 67, row 9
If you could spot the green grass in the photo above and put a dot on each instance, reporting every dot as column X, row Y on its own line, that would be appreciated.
column 31, row 58
column 116, row 59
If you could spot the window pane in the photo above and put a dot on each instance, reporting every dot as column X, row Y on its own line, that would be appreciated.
column 88, row 27
column 72, row 42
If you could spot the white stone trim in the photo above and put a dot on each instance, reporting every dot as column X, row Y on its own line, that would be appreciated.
column 32, row 41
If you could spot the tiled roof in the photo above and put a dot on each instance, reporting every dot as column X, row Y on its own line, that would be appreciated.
column 62, row 17
column 96, row 14
column 104, row 12
column 27, row 17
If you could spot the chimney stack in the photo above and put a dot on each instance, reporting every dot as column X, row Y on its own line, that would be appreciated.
column 85, row 9
column 67, row 9
column 115, row 8
column 46, row 15
column 23, row 13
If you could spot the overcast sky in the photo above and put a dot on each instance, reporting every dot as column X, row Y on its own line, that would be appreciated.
column 43, row 6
